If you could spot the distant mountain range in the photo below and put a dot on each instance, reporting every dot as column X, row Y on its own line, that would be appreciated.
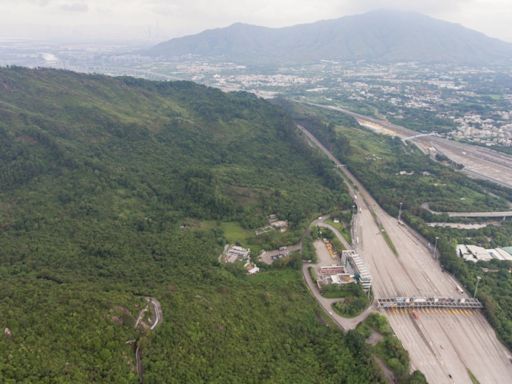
column 378, row 36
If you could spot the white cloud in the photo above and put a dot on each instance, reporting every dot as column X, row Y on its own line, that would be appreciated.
column 161, row 19
column 74, row 7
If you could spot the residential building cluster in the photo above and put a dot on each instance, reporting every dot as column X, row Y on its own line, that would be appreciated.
column 238, row 254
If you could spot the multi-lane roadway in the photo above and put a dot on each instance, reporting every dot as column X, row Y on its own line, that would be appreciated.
column 444, row 344
column 478, row 161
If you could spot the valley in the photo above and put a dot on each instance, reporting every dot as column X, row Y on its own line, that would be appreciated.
column 217, row 193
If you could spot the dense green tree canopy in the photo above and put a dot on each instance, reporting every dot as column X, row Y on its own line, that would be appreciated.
column 98, row 177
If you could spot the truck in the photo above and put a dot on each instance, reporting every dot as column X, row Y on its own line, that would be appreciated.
column 459, row 289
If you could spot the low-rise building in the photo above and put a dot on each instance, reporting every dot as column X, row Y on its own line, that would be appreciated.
column 280, row 225
column 236, row 253
column 475, row 253
column 252, row 269
column 333, row 274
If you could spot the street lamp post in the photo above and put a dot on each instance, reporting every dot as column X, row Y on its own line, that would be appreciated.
column 478, row 278
column 400, row 212
column 435, row 247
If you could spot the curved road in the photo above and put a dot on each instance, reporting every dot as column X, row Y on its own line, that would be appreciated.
column 344, row 323
column 157, row 310
column 157, row 320
column 322, row 224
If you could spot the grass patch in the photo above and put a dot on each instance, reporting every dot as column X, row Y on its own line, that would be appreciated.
column 233, row 232
column 390, row 349
column 354, row 302
column 351, row 306
column 313, row 275
column 308, row 249
column 342, row 228
column 341, row 291
column 385, row 235
column 473, row 378
column 388, row 241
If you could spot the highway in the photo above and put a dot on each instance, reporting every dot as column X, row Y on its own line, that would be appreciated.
column 478, row 162
column 443, row 344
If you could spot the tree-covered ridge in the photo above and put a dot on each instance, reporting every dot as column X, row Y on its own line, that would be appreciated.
column 380, row 36
column 199, row 140
column 97, row 177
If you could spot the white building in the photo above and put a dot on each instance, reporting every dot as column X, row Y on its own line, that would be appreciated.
column 475, row 253
column 236, row 253
column 353, row 260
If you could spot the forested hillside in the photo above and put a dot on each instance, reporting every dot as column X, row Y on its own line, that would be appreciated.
column 97, row 177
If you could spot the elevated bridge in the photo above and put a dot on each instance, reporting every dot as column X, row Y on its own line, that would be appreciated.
column 429, row 302
column 410, row 138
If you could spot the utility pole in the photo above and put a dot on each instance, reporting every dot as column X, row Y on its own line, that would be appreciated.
column 400, row 212
column 478, row 278
column 435, row 247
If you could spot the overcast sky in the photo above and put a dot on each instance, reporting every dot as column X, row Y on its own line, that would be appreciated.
column 156, row 20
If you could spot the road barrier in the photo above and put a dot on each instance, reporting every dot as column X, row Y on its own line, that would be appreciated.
column 430, row 302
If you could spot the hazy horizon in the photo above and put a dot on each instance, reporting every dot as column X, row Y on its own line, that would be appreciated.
column 152, row 21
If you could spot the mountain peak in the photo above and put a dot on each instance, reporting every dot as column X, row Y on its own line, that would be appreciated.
column 383, row 35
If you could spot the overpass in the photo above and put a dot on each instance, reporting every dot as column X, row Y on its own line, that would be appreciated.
column 405, row 139
column 478, row 214
column 431, row 302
